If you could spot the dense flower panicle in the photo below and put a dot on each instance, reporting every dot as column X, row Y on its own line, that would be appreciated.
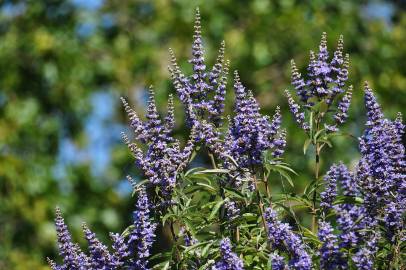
column 169, row 123
column 299, row 83
column 120, row 248
column 278, row 262
column 164, row 158
column 232, row 210
column 330, row 255
column 219, row 97
column 298, row 115
column 73, row 257
column 382, row 170
column 250, row 134
column 280, row 144
column 229, row 260
column 347, row 182
column 100, row 257
column 374, row 111
column 324, row 80
column 187, row 237
column 202, row 94
column 282, row 238
column 330, row 192
column 365, row 257
column 342, row 108
column 142, row 236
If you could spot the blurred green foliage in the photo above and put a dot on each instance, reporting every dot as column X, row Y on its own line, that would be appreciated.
column 56, row 54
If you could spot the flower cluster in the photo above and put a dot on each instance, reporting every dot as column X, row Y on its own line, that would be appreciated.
column 382, row 168
column 282, row 238
column 229, row 260
column 367, row 204
column 132, row 252
column 325, row 80
column 202, row 93
column 330, row 255
column 164, row 157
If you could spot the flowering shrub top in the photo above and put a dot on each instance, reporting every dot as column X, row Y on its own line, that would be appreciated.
column 225, row 217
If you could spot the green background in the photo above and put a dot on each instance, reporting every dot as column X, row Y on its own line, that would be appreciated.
column 64, row 65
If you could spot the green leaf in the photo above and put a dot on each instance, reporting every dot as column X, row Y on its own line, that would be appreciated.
column 213, row 171
column 234, row 193
column 216, row 209
column 306, row 145
column 206, row 186
column 205, row 250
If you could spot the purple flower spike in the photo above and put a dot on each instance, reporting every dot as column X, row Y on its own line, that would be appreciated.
column 142, row 236
column 278, row 262
column 100, row 258
column 120, row 248
column 297, row 114
column 229, row 260
column 374, row 111
column 330, row 256
column 330, row 192
column 282, row 238
column 342, row 109
column 298, row 83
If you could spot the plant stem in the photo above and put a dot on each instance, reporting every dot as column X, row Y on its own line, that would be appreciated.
column 316, row 173
column 261, row 204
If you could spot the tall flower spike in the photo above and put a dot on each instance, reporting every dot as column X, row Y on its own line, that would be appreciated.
column 100, row 258
column 120, row 250
column 67, row 249
column 218, row 66
column 137, row 153
column 298, row 82
column 374, row 112
column 229, row 260
column 153, row 124
column 135, row 121
column 330, row 192
column 220, row 96
column 142, row 236
column 278, row 262
column 170, row 117
column 280, row 144
column 330, row 255
column 282, row 238
column 197, row 50
column 342, row 109
column 297, row 114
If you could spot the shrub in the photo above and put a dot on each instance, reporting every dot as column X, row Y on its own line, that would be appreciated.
column 226, row 217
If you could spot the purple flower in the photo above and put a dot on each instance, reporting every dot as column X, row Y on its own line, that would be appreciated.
column 73, row 257
column 278, row 262
column 202, row 93
column 229, row 260
column 324, row 80
column 100, row 257
column 330, row 256
column 250, row 134
column 232, row 210
column 342, row 109
column 282, row 238
column 381, row 170
column 142, row 236
column 164, row 157
column 330, row 192
column 120, row 248
column 364, row 258
column 188, row 237
column 298, row 115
